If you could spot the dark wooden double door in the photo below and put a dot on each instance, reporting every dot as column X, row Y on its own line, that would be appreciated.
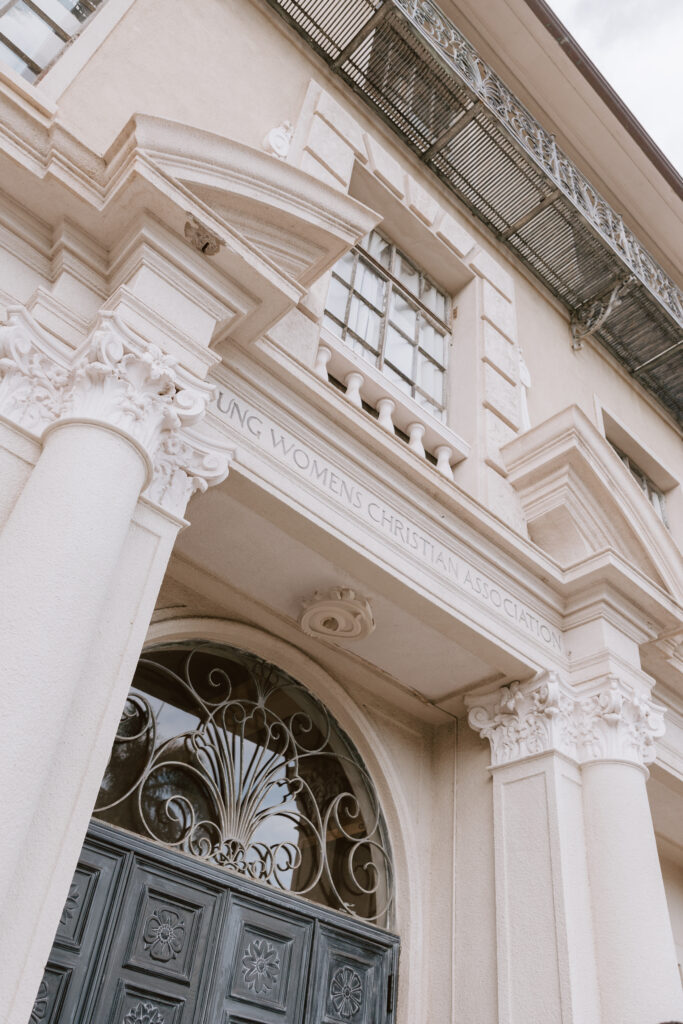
column 148, row 936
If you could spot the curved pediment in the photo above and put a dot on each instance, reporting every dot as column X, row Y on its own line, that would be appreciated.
column 579, row 499
column 296, row 222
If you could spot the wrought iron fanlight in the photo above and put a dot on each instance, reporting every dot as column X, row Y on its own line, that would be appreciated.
column 225, row 757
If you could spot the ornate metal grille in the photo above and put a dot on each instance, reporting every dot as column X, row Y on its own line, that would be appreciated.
column 227, row 758
column 413, row 66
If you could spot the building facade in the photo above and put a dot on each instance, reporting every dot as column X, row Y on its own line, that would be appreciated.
column 340, row 520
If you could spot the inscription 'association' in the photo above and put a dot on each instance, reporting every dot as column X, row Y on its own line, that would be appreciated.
column 369, row 507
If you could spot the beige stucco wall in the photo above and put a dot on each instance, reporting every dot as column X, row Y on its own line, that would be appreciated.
column 235, row 69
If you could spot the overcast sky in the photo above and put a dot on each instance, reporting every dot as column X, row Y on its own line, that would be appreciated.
column 638, row 47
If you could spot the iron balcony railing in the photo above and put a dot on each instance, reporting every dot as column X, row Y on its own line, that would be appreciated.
column 415, row 68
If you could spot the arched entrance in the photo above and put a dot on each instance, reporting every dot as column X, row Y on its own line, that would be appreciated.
column 237, row 868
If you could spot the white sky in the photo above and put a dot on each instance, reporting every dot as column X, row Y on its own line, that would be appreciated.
column 638, row 47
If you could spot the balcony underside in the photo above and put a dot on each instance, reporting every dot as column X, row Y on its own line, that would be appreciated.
column 410, row 63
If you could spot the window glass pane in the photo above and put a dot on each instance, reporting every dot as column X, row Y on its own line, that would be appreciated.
column 80, row 9
column 430, row 378
column 344, row 267
column 399, row 351
column 365, row 323
column 379, row 248
column 403, row 314
column 434, row 410
column 15, row 62
column 333, row 326
column 370, row 285
column 407, row 274
column 397, row 379
column 337, row 299
column 432, row 341
column 434, row 299
column 59, row 13
column 31, row 34
column 358, row 347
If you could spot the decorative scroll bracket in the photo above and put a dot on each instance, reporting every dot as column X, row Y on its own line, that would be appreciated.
column 590, row 316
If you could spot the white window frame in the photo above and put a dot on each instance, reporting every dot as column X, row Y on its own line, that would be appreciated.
column 393, row 285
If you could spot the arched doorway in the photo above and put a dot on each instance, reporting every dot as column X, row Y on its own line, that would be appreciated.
column 237, row 868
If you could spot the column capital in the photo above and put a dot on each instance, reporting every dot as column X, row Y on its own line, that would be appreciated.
column 545, row 714
column 119, row 381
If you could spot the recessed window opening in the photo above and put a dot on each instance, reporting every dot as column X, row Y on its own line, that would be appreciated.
column 34, row 32
column 389, row 312
column 653, row 494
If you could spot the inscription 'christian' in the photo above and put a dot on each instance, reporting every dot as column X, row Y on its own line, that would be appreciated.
column 367, row 506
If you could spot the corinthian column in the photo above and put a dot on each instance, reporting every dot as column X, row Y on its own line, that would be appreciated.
column 583, row 926
column 634, row 944
column 546, row 969
column 116, row 419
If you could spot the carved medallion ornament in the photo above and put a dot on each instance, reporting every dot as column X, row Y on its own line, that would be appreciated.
column 341, row 615
column 144, row 1013
column 40, row 1005
column 260, row 966
column 164, row 935
column 545, row 714
column 346, row 992
column 70, row 905
column 119, row 380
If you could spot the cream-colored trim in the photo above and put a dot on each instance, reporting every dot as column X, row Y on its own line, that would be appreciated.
column 73, row 59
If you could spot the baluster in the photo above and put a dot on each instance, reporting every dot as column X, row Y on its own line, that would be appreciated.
column 415, row 435
column 443, row 460
column 385, row 408
column 321, row 360
column 353, row 385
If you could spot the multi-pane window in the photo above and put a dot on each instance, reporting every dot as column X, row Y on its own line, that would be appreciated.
column 650, row 490
column 34, row 32
column 391, row 314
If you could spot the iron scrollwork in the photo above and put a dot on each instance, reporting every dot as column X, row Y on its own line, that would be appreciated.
column 260, row 780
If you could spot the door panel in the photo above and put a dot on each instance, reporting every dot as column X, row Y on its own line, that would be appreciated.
column 265, row 955
column 350, row 979
column 76, row 953
column 152, row 936
column 160, row 954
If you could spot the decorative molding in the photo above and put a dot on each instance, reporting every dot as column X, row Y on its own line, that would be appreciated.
column 545, row 715
column 201, row 238
column 118, row 380
column 279, row 139
column 342, row 615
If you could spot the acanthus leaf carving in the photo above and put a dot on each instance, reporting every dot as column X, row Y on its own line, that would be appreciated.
column 121, row 381
column 32, row 376
column 545, row 714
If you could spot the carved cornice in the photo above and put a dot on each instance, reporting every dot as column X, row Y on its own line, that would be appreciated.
column 117, row 380
column 545, row 715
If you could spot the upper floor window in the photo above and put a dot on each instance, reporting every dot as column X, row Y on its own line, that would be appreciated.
column 388, row 311
column 34, row 32
column 649, row 489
